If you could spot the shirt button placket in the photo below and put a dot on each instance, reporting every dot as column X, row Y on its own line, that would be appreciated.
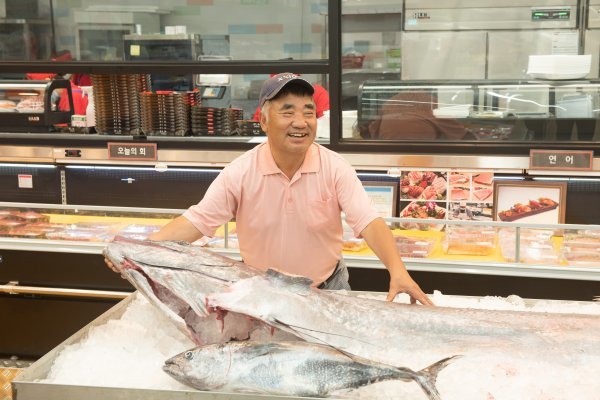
column 289, row 203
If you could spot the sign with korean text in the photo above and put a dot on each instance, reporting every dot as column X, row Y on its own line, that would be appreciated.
column 132, row 151
column 570, row 160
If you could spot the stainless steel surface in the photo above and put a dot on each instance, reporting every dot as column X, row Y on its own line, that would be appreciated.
column 218, row 158
column 594, row 14
column 26, row 154
column 507, row 28
column 204, row 158
column 172, row 157
column 54, row 246
column 62, row 292
column 371, row 6
column 101, row 209
column 485, row 15
column 485, row 3
column 358, row 160
column 509, row 51
column 158, row 36
column 385, row 161
column 592, row 46
column 444, row 55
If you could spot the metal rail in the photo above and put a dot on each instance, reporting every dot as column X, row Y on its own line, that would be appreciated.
column 16, row 289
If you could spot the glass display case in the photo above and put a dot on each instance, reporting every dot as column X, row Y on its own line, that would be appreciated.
column 516, row 111
column 566, row 251
column 33, row 106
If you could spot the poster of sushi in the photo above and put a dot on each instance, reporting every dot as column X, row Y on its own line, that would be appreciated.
column 530, row 202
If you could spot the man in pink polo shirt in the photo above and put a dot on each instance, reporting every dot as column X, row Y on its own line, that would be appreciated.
column 287, row 195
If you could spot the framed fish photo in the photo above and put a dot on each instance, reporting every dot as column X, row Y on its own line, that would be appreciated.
column 530, row 202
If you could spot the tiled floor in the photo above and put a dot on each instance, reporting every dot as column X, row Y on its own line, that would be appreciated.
column 6, row 377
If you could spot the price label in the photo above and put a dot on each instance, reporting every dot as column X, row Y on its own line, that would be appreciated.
column 132, row 151
column 571, row 160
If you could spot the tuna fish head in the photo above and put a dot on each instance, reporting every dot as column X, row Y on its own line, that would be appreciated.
column 202, row 367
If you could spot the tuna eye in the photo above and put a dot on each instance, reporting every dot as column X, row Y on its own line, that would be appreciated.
column 189, row 355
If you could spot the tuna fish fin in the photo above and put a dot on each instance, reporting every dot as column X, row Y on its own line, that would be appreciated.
column 427, row 377
column 296, row 281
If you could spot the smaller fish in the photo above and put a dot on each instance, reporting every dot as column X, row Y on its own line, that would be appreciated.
column 289, row 368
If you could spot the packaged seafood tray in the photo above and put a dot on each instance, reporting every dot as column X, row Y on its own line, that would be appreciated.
column 32, row 217
column 415, row 247
column 139, row 232
column 469, row 240
column 30, row 385
column 9, row 214
column 535, row 246
column 352, row 243
column 581, row 240
column 581, row 258
column 10, row 224
column 24, row 232
column 80, row 235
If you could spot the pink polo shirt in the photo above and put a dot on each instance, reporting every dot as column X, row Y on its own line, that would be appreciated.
column 291, row 225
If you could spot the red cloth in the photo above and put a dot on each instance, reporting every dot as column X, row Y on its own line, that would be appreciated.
column 80, row 100
column 321, row 97
column 39, row 76
column 82, row 79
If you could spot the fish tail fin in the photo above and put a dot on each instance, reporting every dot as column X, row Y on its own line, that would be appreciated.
column 426, row 378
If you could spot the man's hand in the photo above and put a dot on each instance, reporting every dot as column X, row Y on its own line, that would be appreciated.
column 380, row 240
column 406, row 284
column 111, row 265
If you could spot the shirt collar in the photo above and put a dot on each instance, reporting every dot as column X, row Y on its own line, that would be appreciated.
column 267, row 166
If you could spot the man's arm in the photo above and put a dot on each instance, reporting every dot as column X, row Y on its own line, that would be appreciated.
column 179, row 229
column 379, row 238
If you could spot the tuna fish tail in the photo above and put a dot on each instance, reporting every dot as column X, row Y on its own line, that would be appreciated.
column 426, row 378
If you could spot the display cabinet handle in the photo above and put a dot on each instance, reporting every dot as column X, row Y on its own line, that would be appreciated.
column 15, row 289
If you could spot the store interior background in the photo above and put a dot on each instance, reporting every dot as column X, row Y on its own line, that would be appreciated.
column 389, row 41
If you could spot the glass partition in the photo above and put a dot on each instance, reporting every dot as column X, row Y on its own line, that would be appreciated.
column 193, row 107
column 174, row 30
column 517, row 111
column 458, row 70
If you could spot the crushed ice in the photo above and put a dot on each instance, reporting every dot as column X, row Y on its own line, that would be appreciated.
column 130, row 351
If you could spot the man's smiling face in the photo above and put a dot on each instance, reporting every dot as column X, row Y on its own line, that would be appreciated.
column 290, row 123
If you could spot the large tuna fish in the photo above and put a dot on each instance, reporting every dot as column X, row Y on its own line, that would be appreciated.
column 177, row 277
column 288, row 368
column 178, row 255
column 408, row 335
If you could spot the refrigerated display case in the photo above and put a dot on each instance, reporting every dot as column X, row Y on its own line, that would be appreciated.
column 32, row 106
column 537, row 111
column 53, row 278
